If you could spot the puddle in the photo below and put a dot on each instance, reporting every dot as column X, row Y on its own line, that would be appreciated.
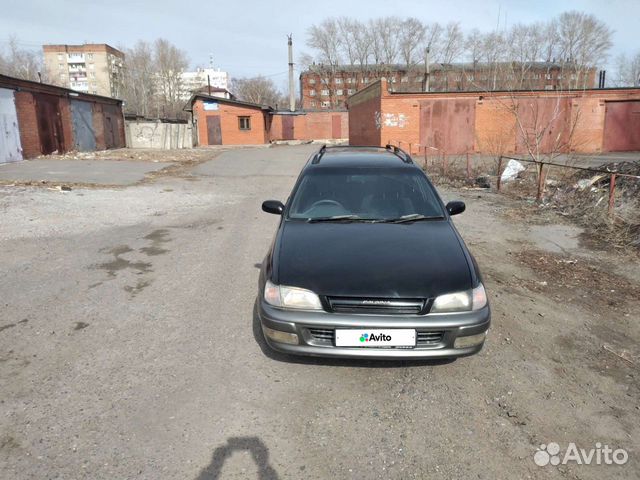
column 135, row 290
column 157, row 237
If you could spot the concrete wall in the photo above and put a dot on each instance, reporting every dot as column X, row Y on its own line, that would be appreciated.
column 155, row 134
column 455, row 123
column 311, row 125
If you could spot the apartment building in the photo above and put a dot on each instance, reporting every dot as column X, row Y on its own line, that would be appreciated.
column 324, row 87
column 201, row 77
column 90, row 68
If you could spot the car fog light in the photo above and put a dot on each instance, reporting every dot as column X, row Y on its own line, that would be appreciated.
column 469, row 340
column 280, row 337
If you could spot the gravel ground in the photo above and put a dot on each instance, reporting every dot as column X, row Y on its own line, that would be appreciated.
column 128, row 346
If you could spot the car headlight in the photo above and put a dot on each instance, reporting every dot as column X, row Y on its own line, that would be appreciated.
column 469, row 300
column 291, row 297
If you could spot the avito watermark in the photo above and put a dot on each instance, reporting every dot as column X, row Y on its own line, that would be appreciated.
column 551, row 454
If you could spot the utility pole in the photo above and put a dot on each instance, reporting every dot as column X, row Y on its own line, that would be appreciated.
column 292, row 95
column 426, row 70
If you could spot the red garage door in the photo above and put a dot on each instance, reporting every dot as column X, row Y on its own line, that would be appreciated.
column 622, row 126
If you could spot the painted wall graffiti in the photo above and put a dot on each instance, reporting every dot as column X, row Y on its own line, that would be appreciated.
column 378, row 120
column 395, row 120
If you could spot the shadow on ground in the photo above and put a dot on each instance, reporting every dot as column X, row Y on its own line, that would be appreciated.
column 334, row 362
column 253, row 445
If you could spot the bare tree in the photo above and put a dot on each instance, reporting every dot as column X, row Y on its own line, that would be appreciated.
column 583, row 42
column 139, row 78
column 627, row 70
column 169, row 62
column 451, row 45
column 411, row 41
column 21, row 63
column 259, row 90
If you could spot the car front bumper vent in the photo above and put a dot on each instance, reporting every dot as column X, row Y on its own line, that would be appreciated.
column 381, row 306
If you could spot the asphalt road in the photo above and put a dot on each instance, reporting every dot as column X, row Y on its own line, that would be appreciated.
column 129, row 349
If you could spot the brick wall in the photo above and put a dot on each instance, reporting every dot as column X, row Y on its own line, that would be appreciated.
column 28, row 124
column 364, row 116
column 455, row 123
column 231, row 133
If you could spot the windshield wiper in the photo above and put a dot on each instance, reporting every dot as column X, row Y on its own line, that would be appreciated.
column 414, row 217
column 336, row 218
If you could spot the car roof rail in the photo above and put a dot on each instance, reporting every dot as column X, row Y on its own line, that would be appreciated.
column 401, row 154
column 318, row 155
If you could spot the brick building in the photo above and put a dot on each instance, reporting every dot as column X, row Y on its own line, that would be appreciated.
column 586, row 121
column 95, row 68
column 45, row 119
column 323, row 87
column 223, row 121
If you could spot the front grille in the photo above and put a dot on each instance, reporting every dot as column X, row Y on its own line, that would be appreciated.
column 428, row 338
column 381, row 306
column 324, row 335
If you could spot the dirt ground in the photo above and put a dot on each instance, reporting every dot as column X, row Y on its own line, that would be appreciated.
column 129, row 347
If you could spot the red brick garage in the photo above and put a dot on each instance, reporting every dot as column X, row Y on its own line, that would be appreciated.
column 220, row 121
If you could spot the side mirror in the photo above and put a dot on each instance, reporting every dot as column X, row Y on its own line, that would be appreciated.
column 456, row 207
column 273, row 206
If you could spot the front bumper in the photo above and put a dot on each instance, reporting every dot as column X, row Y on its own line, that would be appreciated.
column 440, row 331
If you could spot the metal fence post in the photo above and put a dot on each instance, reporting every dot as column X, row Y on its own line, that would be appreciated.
column 499, row 182
column 468, row 166
column 444, row 164
column 612, row 192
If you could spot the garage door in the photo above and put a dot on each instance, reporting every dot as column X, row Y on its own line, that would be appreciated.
column 622, row 126
column 10, row 149
column 84, row 136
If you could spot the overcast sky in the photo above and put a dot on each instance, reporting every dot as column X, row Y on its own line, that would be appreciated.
column 248, row 37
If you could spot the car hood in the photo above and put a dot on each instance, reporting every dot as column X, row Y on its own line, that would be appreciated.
column 416, row 260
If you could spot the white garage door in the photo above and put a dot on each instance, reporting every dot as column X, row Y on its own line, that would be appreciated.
column 10, row 149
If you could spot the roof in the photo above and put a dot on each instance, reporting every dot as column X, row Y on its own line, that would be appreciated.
column 352, row 156
column 19, row 85
column 397, row 67
column 227, row 101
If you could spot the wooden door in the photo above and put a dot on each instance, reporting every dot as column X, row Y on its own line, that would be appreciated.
column 214, row 131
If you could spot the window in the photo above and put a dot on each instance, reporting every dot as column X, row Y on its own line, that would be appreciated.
column 339, row 93
column 351, row 91
column 393, row 79
column 62, row 75
column 90, row 56
column 404, row 80
column 548, row 76
column 548, row 87
column 312, row 81
column 338, row 80
column 92, row 74
column 350, row 80
column 470, row 78
column 244, row 123
column 368, row 193
column 60, row 57
column 92, row 66
column 324, row 93
column 364, row 80
column 313, row 104
column 312, row 93
column 325, row 80
column 326, row 104
column 60, row 66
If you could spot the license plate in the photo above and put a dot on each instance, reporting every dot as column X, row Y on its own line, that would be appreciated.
column 392, row 337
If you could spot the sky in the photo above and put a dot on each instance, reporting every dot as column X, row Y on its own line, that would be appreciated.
column 248, row 38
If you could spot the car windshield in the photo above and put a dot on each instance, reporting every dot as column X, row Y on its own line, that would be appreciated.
column 364, row 194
